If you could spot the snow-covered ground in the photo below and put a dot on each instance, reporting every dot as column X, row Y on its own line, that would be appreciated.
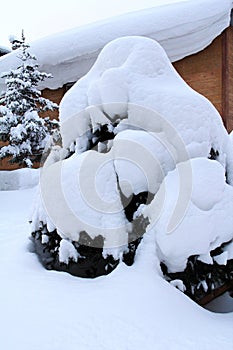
column 132, row 308
column 18, row 179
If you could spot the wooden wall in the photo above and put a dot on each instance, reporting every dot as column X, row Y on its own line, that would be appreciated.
column 4, row 163
column 210, row 72
column 203, row 72
column 227, row 78
column 55, row 96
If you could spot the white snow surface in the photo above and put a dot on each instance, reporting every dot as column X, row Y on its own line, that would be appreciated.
column 207, row 221
column 182, row 28
column 80, row 194
column 67, row 252
column 163, row 125
column 132, row 308
column 18, row 179
column 136, row 70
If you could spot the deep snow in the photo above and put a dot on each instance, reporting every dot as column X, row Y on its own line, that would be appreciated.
column 160, row 131
column 132, row 308
column 136, row 70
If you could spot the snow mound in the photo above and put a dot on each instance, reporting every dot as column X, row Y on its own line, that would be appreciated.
column 140, row 147
column 208, row 184
column 207, row 222
column 18, row 179
column 136, row 70
column 77, row 202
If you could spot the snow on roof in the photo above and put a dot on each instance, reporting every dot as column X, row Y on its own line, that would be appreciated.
column 182, row 28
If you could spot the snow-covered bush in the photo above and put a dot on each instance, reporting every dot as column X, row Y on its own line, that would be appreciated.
column 24, row 132
column 141, row 152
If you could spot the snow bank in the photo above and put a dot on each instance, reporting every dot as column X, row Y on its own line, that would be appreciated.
column 18, row 179
column 182, row 28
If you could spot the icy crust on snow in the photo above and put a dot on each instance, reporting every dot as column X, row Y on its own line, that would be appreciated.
column 136, row 70
column 182, row 28
column 206, row 224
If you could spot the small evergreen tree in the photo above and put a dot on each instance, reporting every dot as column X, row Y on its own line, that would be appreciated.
column 21, row 127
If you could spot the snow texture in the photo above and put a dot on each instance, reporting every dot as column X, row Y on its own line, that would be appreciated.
column 67, row 252
column 77, row 203
column 132, row 308
column 136, row 70
column 207, row 222
column 165, row 154
column 182, row 28
column 18, row 179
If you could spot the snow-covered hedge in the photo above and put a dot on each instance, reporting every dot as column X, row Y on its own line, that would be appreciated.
column 142, row 151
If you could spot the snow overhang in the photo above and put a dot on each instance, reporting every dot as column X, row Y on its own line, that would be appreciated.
column 182, row 28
